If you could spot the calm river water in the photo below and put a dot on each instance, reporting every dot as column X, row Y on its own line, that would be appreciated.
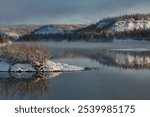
column 123, row 72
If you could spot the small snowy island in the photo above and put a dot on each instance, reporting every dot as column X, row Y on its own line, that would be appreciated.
column 30, row 58
column 49, row 66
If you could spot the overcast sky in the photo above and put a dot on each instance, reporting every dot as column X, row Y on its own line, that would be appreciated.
column 67, row 11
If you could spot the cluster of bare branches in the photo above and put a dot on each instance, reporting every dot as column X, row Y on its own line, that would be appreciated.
column 25, row 53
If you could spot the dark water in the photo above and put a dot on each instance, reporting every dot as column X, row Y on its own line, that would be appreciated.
column 123, row 73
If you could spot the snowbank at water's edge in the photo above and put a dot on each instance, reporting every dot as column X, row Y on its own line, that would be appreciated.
column 48, row 66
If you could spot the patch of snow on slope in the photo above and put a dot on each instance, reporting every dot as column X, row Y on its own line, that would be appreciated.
column 59, row 67
column 102, row 24
column 131, row 25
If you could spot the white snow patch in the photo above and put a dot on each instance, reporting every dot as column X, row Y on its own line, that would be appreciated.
column 59, row 67
column 130, row 25
column 102, row 24
column 49, row 66
column 22, row 68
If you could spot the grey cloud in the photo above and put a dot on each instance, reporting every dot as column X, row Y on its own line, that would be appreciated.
column 67, row 11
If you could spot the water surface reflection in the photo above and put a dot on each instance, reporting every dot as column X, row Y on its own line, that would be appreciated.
column 121, row 74
column 118, row 58
column 25, row 85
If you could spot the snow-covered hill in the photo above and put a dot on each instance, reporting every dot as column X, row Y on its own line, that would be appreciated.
column 58, row 29
column 131, row 25
column 126, row 25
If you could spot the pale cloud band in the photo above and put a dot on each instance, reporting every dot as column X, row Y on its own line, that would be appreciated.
column 67, row 11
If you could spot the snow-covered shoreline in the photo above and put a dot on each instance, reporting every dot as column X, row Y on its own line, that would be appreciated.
column 48, row 66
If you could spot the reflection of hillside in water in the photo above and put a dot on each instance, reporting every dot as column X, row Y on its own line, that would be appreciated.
column 134, row 60
column 123, row 59
column 33, row 87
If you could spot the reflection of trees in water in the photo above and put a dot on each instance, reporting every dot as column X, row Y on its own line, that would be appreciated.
column 26, row 88
column 132, row 60
column 123, row 59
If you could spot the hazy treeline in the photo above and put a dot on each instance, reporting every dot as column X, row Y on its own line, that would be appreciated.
column 19, row 29
column 91, row 35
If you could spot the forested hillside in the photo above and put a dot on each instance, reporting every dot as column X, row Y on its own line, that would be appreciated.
column 136, row 26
